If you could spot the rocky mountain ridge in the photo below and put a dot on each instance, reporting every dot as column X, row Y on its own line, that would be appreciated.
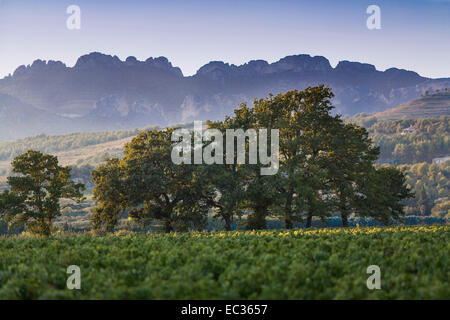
column 102, row 92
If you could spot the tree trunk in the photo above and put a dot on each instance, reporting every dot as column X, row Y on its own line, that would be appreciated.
column 257, row 220
column 309, row 220
column 49, row 227
column 168, row 227
column 288, row 208
column 227, row 220
column 344, row 216
column 43, row 227
column 288, row 223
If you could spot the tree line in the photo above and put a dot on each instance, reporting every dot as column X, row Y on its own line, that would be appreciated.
column 326, row 167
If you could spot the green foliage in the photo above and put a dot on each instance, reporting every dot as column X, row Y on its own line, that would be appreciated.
column 315, row 264
column 109, row 192
column 350, row 168
column 35, row 192
column 157, row 188
column 224, row 187
column 259, row 191
column 320, row 155
column 383, row 191
column 431, row 184
column 325, row 166
column 431, row 139
column 305, row 124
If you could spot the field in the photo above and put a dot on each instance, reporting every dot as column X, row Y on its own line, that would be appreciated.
column 298, row 264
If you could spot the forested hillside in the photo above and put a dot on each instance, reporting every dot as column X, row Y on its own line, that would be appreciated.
column 431, row 184
column 408, row 141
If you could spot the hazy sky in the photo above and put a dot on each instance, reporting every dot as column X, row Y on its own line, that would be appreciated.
column 414, row 34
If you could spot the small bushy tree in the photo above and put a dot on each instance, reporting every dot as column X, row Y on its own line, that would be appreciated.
column 36, row 188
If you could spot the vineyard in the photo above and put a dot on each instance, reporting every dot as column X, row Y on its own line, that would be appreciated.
column 289, row 264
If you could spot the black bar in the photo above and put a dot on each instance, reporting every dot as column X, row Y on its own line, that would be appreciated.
column 232, row 309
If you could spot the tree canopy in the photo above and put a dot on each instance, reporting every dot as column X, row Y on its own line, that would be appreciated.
column 35, row 190
column 326, row 166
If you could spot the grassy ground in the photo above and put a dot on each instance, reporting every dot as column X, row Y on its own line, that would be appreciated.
column 298, row 264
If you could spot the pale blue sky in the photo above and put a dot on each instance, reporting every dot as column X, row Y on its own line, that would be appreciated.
column 415, row 34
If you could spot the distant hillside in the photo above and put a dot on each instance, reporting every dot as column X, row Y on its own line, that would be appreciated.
column 59, row 143
column 75, row 149
column 407, row 141
column 427, row 106
column 71, row 149
column 428, row 139
column 101, row 92
column 92, row 154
